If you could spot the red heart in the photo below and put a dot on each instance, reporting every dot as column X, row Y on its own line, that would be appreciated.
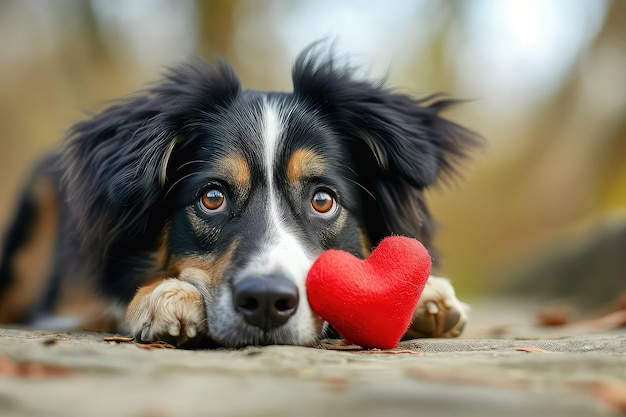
column 370, row 302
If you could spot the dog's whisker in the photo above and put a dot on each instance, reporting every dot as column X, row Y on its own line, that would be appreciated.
column 197, row 161
column 361, row 186
column 178, row 182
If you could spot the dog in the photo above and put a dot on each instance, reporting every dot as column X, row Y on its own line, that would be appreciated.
column 192, row 211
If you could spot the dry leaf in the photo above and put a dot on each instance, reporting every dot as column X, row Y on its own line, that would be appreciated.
column 390, row 352
column 609, row 321
column 155, row 345
column 340, row 346
column 336, row 383
column 30, row 369
column 531, row 349
column 53, row 340
column 614, row 393
column 611, row 391
column 557, row 315
column 118, row 339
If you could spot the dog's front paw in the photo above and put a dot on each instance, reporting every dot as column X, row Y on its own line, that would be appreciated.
column 171, row 311
column 439, row 313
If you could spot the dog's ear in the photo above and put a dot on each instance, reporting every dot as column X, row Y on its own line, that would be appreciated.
column 115, row 164
column 402, row 145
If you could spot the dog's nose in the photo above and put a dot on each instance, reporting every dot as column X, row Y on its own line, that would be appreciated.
column 266, row 302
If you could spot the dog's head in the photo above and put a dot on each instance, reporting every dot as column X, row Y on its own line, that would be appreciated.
column 250, row 187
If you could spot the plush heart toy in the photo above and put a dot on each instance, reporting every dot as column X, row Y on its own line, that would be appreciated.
column 370, row 302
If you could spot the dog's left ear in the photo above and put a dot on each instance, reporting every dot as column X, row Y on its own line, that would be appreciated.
column 407, row 136
column 400, row 145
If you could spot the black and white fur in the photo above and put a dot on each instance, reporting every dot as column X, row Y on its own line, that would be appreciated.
column 130, row 186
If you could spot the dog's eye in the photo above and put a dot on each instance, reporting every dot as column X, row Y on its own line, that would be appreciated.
column 323, row 203
column 213, row 200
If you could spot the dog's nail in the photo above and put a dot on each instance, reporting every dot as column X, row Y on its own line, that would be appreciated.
column 191, row 331
column 174, row 329
column 432, row 308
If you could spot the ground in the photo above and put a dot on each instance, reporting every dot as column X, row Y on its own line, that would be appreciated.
column 511, row 368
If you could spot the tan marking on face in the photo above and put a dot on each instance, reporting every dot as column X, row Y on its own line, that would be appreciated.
column 211, row 273
column 214, row 266
column 33, row 262
column 366, row 244
column 235, row 168
column 304, row 163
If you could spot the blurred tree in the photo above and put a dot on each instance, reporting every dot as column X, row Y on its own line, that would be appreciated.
column 83, row 49
column 90, row 32
column 578, row 247
column 567, row 166
column 430, row 68
column 217, row 26
column 611, row 180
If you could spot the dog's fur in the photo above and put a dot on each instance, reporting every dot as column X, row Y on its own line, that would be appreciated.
column 164, row 203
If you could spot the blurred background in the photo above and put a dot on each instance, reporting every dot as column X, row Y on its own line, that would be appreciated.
column 541, row 210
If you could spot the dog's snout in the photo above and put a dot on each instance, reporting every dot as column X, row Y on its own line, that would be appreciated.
column 266, row 302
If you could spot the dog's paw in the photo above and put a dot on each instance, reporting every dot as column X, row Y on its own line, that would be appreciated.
column 439, row 313
column 171, row 311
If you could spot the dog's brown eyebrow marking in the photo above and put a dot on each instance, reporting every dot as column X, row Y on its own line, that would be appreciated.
column 236, row 168
column 304, row 163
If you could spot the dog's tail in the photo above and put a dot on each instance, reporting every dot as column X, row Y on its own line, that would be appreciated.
column 27, row 253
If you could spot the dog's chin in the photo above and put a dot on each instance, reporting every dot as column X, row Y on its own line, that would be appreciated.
column 234, row 332
column 242, row 335
column 250, row 336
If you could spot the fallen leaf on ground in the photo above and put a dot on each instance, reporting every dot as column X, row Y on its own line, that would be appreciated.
column 336, row 383
column 340, row 346
column 609, row 321
column 53, row 340
column 556, row 315
column 531, row 349
column 30, row 369
column 390, row 352
column 611, row 391
column 155, row 345
column 118, row 339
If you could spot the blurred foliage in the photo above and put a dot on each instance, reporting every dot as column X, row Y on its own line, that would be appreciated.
column 555, row 168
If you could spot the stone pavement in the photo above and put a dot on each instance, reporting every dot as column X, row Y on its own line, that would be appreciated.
column 556, row 372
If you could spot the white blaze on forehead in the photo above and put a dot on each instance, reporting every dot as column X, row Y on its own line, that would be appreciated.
column 272, row 131
column 282, row 250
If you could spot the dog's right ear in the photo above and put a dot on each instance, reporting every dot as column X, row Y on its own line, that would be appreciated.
column 115, row 164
